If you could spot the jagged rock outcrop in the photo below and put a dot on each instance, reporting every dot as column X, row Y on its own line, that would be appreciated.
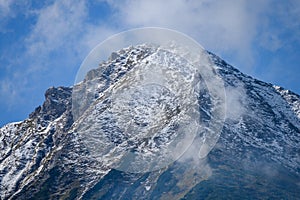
column 257, row 155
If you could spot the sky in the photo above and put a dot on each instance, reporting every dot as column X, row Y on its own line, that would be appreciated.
column 43, row 43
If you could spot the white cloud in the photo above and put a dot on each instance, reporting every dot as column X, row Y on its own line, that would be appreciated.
column 281, row 26
column 57, row 26
column 63, row 27
column 58, row 42
column 235, row 29
column 5, row 7
column 94, row 35
column 9, row 9
column 221, row 26
column 235, row 101
column 5, row 13
column 63, row 34
column 7, row 90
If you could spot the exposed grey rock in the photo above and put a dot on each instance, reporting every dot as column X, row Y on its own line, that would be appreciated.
column 256, row 157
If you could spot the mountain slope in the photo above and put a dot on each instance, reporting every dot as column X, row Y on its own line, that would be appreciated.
column 256, row 156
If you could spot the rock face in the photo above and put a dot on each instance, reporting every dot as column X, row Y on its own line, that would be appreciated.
column 257, row 154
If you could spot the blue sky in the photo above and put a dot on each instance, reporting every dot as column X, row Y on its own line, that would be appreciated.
column 42, row 43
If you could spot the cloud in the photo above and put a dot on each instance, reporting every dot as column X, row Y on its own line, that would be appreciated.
column 58, row 27
column 63, row 29
column 7, row 90
column 222, row 26
column 9, row 9
column 53, row 32
column 61, row 35
column 280, row 26
column 234, row 29
column 5, row 7
column 235, row 101
column 63, row 32
column 6, row 12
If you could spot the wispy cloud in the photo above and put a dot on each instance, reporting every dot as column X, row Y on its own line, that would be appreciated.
column 235, row 102
column 63, row 28
column 57, row 28
column 5, row 7
column 62, row 32
column 9, row 10
column 280, row 25
column 229, row 26
column 8, row 92
column 50, row 53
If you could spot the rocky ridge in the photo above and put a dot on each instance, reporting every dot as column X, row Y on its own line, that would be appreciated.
column 257, row 154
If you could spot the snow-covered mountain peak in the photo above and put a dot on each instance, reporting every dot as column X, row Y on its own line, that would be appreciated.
column 52, row 154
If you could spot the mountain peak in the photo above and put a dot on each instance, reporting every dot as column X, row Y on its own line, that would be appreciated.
column 256, row 154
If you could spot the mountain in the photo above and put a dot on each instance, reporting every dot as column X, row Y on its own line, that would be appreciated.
column 57, row 152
